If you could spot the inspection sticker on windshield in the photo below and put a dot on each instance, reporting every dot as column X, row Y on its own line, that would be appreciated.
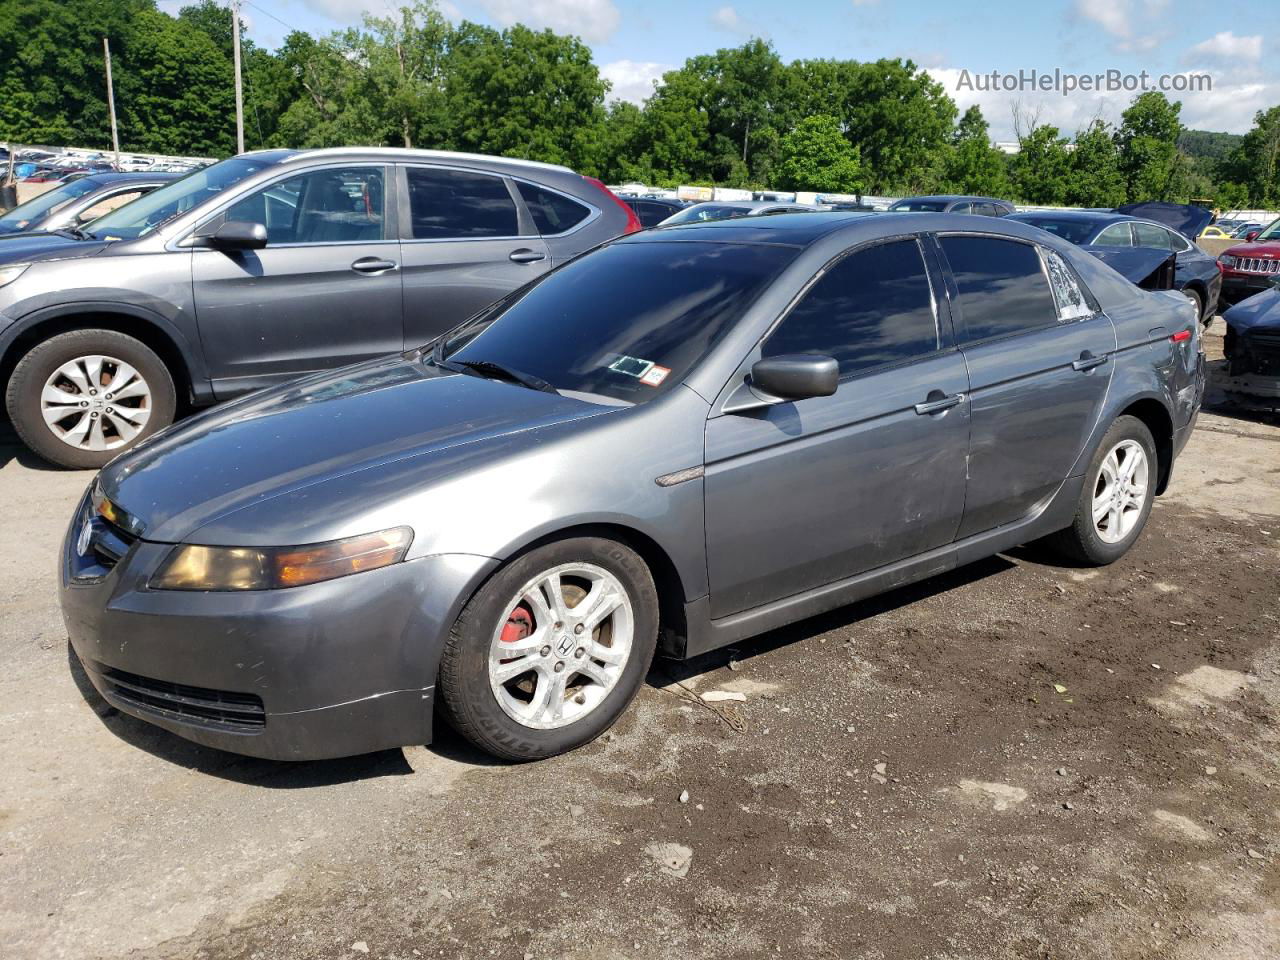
column 654, row 375
column 631, row 366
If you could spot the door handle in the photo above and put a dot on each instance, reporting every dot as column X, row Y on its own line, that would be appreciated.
column 525, row 255
column 939, row 403
column 373, row 265
column 1088, row 361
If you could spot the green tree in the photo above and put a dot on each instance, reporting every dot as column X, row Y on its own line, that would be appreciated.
column 1147, row 141
column 1255, row 163
column 972, row 165
column 816, row 156
column 1042, row 167
column 525, row 93
column 1094, row 172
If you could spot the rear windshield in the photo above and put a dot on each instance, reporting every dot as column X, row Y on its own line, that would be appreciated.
column 919, row 206
column 700, row 213
column 37, row 208
column 1073, row 231
column 626, row 322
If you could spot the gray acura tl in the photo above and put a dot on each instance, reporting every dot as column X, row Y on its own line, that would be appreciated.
column 677, row 440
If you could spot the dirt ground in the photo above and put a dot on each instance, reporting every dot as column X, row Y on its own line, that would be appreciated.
column 1018, row 760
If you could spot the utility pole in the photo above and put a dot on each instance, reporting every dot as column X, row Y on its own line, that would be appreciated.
column 235, row 32
column 111, row 102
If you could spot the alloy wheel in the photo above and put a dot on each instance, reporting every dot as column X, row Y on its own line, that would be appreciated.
column 96, row 402
column 1120, row 491
column 561, row 646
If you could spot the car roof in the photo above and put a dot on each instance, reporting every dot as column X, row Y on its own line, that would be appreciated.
column 805, row 229
column 1079, row 216
column 109, row 178
column 951, row 198
column 405, row 153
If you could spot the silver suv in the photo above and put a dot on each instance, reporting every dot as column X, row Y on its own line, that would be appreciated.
column 265, row 267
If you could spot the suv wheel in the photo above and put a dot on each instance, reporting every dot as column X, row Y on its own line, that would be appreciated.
column 548, row 653
column 1117, row 496
column 82, row 397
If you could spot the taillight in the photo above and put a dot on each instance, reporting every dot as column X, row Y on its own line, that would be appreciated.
column 633, row 222
column 1180, row 336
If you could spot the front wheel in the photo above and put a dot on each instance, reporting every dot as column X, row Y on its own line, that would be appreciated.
column 1117, row 497
column 82, row 397
column 547, row 654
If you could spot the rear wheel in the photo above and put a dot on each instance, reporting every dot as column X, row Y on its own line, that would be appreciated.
column 1117, row 496
column 1196, row 302
column 82, row 397
column 548, row 653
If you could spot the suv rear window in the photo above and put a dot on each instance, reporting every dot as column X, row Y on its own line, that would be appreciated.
column 552, row 212
column 458, row 204
column 1002, row 285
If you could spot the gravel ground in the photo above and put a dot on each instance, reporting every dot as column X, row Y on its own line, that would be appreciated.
column 1017, row 760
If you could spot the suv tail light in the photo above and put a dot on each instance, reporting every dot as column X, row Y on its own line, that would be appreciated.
column 633, row 222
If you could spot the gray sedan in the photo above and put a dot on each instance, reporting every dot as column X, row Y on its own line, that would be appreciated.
column 79, row 201
column 683, row 438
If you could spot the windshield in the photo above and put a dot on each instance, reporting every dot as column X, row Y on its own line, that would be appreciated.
column 701, row 212
column 143, row 215
column 1272, row 232
column 628, row 321
column 37, row 208
column 920, row 206
column 1074, row 231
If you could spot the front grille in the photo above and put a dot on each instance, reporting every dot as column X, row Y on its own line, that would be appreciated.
column 1257, row 265
column 1264, row 351
column 218, row 709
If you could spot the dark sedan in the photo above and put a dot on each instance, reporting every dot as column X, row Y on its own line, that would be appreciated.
column 1100, row 232
column 675, row 441
column 653, row 210
column 1252, row 345
column 79, row 201
column 952, row 203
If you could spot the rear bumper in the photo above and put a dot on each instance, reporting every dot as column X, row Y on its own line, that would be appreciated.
column 328, row 670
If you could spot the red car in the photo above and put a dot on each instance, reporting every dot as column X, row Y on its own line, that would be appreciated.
column 1251, row 267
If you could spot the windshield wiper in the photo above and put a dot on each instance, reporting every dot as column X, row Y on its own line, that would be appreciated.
column 506, row 373
column 76, row 233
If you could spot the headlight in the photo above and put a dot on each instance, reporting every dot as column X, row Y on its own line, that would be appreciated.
column 1227, row 261
column 12, row 273
column 193, row 567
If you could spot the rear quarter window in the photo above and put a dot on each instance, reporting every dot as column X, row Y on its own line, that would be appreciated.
column 552, row 212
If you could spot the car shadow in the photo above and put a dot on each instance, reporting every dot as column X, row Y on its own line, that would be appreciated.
column 12, row 449
column 666, row 671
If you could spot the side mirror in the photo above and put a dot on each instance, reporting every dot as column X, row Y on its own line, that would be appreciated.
column 239, row 235
column 1251, row 236
column 796, row 377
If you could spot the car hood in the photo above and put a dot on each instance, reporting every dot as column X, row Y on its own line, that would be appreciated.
column 1186, row 218
column 1261, row 311
column 281, row 440
column 1267, row 249
column 28, row 247
column 1141, row 266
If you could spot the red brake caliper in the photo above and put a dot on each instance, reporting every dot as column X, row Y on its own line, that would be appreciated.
column 518, row 626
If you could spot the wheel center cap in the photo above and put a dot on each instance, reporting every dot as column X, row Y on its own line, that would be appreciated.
column 564, row 645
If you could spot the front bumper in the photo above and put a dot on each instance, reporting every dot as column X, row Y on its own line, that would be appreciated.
column 1242, row 286
column 327, row 670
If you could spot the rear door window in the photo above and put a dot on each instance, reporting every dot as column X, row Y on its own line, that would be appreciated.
column 1116, row 235
column 1150, row 235
column 1002, row 286
column 870, row 309
column 459, row 204
column 552, row 212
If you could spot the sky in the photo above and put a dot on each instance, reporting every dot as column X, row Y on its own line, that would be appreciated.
column 634, row 42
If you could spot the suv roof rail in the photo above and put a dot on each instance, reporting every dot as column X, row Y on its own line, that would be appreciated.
column 407, row 152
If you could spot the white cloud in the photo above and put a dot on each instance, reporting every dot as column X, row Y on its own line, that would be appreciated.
column 1230, row 106
column 593, row 20
column 727, row 18
column 633, row 80
column 1118, row 17
column 1227, row 46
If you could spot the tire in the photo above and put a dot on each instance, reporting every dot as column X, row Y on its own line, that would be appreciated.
column 521, row 715
column 1196, row 302
column 1097, row 544
column 94, row 430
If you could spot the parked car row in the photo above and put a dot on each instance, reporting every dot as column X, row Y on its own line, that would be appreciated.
column 79, row 201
